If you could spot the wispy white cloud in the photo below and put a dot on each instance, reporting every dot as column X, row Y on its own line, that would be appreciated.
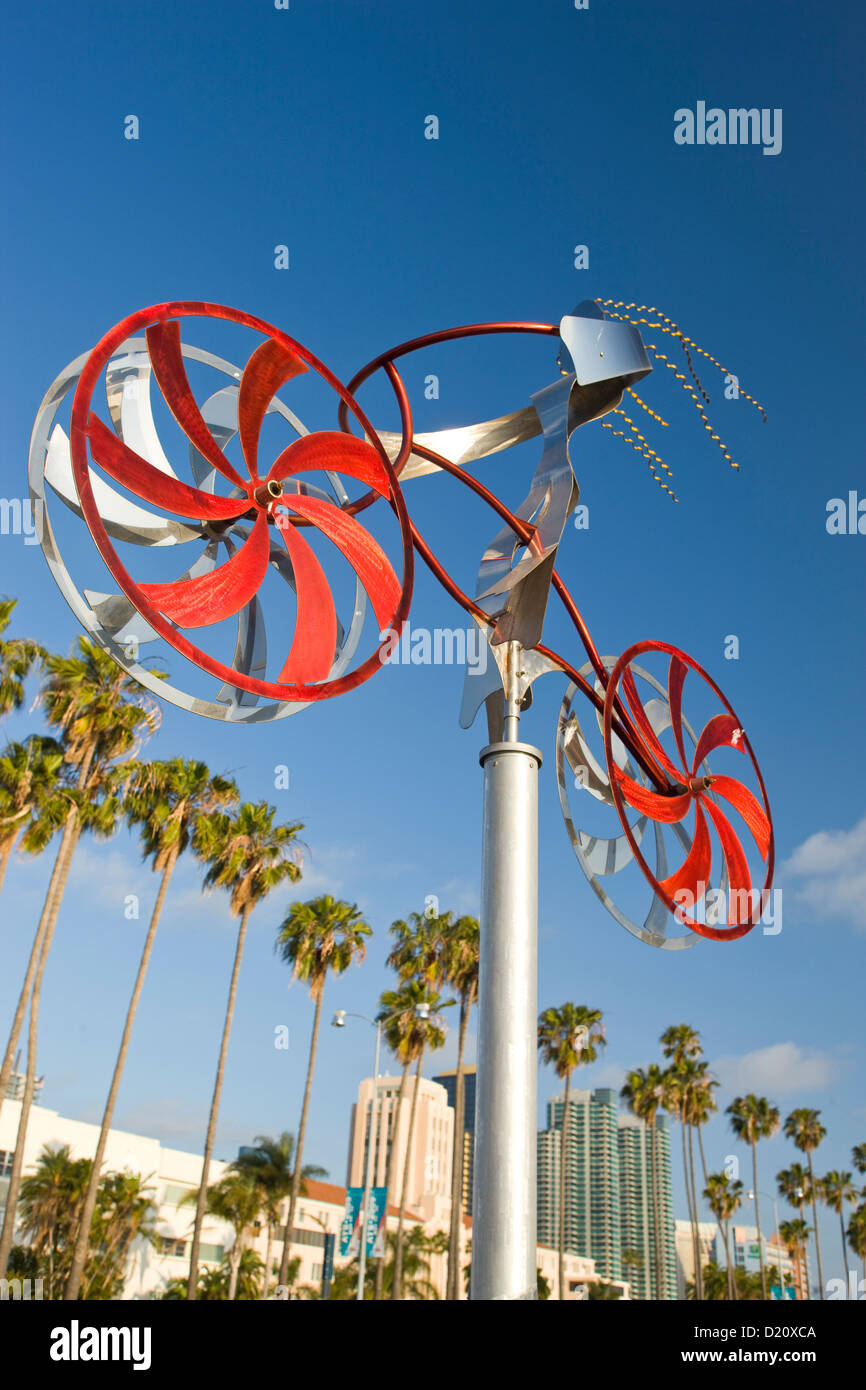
column 828, row 874
column 779, row 1069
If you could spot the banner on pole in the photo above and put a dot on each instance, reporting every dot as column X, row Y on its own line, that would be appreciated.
column 376, row 1222
column 349, row 1237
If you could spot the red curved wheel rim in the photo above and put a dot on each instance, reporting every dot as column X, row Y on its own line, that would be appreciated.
column 90, row 375
column 731, row 933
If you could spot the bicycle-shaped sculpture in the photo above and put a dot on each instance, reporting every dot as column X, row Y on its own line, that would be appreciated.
column 266, row 529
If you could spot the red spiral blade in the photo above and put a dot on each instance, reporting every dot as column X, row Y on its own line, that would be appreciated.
column 749, row 808
column 646, row 729
column 163, row 346
column 140, row 477
column 269, row 368
column 366, row 557
column 722, row 730
column 676, row 679
column 341, row 453
column 696, row 869
column 660, row 808
column 315, row 639
column 739, row 878
column 211, row 597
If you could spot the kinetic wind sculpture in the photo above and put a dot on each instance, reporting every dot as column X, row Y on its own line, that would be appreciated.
column 248, row 527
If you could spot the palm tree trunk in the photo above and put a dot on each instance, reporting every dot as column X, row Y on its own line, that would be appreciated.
column 563, row 1136
column 48, row 917
column 268, row 1244
column 452, row 1289
column 51, row 908
column 397, row 1287
column 215, row 1106
column 699, row 1275
column 758, row 1221
column 234, row 1270
column 696, row 1259
column 844, row 1248
column 299, row 1150
column 699, row 1128
column 732, row 1283
column 5, row 856
column 82, row 1242
column 815, row 1219
column 398, row 1109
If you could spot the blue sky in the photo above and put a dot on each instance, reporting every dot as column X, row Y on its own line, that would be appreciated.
column 305, row 127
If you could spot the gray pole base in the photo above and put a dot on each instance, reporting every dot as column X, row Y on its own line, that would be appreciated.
column 504, row 1200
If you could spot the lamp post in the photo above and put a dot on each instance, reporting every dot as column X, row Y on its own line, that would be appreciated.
column 422, row 1011
column 339, row 1021
column 772, row 1197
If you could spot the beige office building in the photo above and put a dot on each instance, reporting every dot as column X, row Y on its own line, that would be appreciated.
column 430, row 1159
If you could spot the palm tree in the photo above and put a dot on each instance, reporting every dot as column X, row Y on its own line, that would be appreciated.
column 271, row 1164
column 806, row 1130
column 17, row 657
column 250, row 856
column 316, row 938
column 426, row 1033
column 51, row 1201
column 689, row 1092
column 397, row 1016
column 100, row 711
column 835, row 1189
column 568, row 1037
column 858, row 1157
column 29, row 776
column 754, row 1118
column 644, row 1092
column 55, row 1188
column 166, row 800
column 795, row 1235
column 451, row 961
column 238, row 1199
column 724, row 1196
column 793, row 1185
column 857, row 1235
column 125, row 1212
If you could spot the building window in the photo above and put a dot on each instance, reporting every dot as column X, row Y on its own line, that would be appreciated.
column 211, row 1252
column 167, row 1245
column 6, row 1158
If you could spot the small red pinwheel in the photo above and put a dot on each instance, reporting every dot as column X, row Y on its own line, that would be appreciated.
column 689, row 784
column 280, row 498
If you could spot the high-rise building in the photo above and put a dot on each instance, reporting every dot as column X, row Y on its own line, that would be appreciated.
column 611, row 1199
column 646, row 1207
column 429, row 1179
column 592, row 1200
column 448, row 1079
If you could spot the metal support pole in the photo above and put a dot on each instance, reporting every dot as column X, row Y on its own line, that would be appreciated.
column 504, row 1202
column 365, row 1207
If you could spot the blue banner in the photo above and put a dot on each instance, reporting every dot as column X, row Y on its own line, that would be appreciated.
column 349, row 1228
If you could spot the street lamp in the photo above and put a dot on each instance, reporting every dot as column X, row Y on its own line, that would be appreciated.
column 772, row 1196
column 422, row 1011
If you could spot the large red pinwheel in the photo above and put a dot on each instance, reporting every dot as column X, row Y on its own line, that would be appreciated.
column 689, row 785
column 260, row 507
